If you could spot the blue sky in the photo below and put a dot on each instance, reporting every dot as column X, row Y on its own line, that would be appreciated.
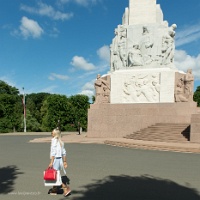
column 60, row 46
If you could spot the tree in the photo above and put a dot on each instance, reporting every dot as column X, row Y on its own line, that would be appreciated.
column 93, row 99
column 7, row 89
column 43, row 111
column 34, row 103
column 31, row 123
column 56, row 107
column 80, row 105
column 11, row 108
column 196, row 96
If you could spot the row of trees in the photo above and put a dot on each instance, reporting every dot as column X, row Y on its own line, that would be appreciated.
column 43, row 110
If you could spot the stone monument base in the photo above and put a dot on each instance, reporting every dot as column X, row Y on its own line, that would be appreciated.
column 195, row 128
column 119, row 120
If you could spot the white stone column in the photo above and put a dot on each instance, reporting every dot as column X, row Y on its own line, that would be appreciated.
column 142, row 12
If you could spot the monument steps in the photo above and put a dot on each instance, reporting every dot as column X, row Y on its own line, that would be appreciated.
column 156, row 145
column 163, row 132
column 175, row 136
column 160, row 140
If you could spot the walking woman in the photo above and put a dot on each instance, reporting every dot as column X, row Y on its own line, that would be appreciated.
column 58, row 158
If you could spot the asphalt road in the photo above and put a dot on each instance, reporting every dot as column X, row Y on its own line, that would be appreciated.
column 98, row 171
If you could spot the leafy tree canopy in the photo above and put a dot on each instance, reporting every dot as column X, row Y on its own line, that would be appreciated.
column 7, row 89
column 43, row 110
column 197, row 96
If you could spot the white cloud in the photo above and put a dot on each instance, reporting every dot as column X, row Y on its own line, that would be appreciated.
column 8, row 81
column 85, row 2
column 49, row 89
column 89, row 86
column 30, row 28
column 81, row 63
column 81, row 2
column 88, row 93
column 104, row 53
column 47, row 10
column 188, row 34
column 64, row 1
column 88, row 89
column 54, row 76
column 183, row 61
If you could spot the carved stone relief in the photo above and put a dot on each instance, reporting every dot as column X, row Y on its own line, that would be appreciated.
column 135, row 57
column 141, row 46
column 168, row 46
column 189, row 85
column 146, row 44
column 142, row 88
column 184, row 87
column 102, row 88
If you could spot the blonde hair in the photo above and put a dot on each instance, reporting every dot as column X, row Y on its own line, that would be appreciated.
column 57, row 135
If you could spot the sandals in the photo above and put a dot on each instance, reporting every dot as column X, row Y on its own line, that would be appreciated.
column 54, row 191
column 67, row 191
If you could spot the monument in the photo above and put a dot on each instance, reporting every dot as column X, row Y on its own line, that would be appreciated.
column 143, row 86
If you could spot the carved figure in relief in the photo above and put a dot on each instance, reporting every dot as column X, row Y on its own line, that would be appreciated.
column 172, row 31
column 127, row 92
column 156, row 86
column 115, row 41
column 118, row 49
column 106, row 94
column 168, row 46
column 114, row 52
column 189, row 81
column 102, row 89
column 179, row 92
column 129, row 89
column 115, row 64
column 122, row 33
column 167, row 50
column 122, row 45
column 146, row 45
column 135, row 57
column 122, row 54
column 156, row 90
column 145, row 90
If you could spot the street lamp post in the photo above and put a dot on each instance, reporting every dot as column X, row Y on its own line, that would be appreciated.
column 24, row 105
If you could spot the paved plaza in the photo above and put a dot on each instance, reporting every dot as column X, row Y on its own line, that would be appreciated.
column 97, row 171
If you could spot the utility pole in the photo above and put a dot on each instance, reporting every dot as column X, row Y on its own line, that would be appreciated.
column 24, row 105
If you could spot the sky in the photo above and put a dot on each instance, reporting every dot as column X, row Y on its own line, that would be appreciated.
column 59, row 46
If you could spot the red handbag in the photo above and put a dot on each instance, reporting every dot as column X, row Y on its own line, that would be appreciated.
column 50, row 174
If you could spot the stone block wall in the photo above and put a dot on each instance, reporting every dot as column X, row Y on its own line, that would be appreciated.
column 119, row 120
column 195, row 128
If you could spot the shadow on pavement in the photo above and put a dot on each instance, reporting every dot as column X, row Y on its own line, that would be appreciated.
column 139, row 188
column 7, row 177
